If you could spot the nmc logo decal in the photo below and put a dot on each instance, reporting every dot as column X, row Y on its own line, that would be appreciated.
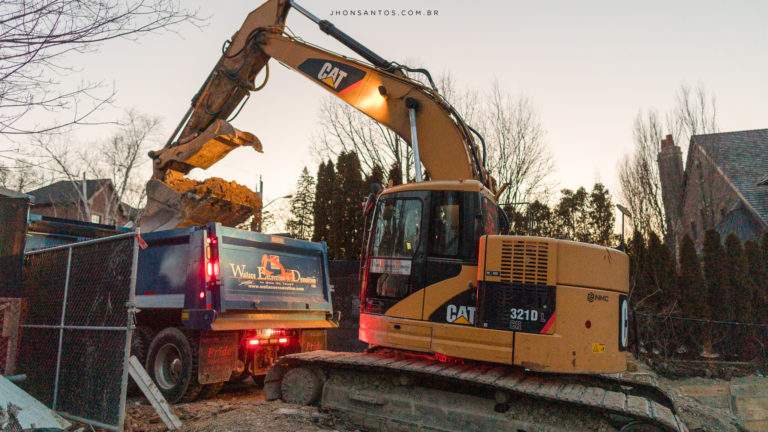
column 338, row 76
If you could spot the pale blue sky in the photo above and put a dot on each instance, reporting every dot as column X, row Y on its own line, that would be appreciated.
column 587, row 65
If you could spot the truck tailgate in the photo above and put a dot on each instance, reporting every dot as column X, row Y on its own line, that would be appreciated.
column 271, row 273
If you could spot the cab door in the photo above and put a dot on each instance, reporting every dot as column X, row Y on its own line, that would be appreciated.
column 451, row 262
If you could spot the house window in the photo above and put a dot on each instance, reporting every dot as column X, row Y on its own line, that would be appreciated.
column 95, row 218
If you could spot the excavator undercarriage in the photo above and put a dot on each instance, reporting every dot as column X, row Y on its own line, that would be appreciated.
column 393, row 390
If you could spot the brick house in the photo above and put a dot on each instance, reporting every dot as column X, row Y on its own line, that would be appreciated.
column 63, row 199
column 724, row 185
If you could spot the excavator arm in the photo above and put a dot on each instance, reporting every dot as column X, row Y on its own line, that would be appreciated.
column 381, row 90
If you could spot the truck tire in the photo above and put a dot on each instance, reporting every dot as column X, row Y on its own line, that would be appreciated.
column 172, row 364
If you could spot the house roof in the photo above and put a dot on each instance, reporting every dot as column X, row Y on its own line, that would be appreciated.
column 5, row 192
column 64, row 191
column 743, row 157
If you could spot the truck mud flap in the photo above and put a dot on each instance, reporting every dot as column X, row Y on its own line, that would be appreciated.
column 218, row 356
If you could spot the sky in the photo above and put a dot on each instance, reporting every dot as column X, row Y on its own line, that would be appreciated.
column 588, row 67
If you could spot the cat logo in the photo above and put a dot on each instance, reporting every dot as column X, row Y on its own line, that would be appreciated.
column 335, row 75
column 331, row 75
column 460, row 314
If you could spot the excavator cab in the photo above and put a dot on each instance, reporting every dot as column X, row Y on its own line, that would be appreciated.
column 421, row 234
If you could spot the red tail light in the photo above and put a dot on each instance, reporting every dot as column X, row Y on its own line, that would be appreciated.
column 210, row 269
column 253, row 342
column 282, row 340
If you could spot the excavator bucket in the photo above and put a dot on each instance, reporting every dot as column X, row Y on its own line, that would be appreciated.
column 184, row 202
column 207, row 148
column 176, row 201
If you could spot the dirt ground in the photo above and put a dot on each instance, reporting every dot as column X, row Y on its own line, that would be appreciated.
column 238, row 409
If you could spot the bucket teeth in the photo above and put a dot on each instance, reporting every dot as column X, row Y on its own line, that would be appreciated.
column 207, row 148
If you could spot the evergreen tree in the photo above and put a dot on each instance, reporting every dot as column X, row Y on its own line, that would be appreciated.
column 691, row 286
column 759, row 276
column 692, row 291
column 715, row 275
column 395, row 175
column 347, row 224
column 539, row 219
column 600, row 215
column 638, row 282
column 715, row 281
column 300, row 225
column 570, row 216
column 322, row 209
column 740, row 292
column 661, row 296
column 376, row 176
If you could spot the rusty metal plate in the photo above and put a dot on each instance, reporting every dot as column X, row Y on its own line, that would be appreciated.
column 217, row 357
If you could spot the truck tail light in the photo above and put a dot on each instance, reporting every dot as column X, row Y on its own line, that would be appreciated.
column 283, row 341
column 210, row 269
column 253, row 342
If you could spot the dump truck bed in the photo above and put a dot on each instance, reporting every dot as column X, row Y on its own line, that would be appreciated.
column 228, row 279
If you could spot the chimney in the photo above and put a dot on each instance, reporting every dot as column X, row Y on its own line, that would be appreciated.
column 670, row 160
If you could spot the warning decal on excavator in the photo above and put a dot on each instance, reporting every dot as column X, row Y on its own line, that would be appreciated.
column 338, row 76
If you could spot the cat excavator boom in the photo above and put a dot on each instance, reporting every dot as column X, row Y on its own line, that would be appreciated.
column 380, row 90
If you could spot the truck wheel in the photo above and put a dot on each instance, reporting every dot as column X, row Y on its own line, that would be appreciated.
column 172, row 364
column 210, row 390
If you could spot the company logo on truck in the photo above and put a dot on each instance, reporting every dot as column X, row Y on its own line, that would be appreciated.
column 336, row 75
column 272, row 274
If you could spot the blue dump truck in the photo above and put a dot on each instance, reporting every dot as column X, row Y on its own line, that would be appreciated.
column 216, row 304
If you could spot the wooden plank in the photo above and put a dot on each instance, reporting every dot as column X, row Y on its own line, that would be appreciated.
column 152, row 393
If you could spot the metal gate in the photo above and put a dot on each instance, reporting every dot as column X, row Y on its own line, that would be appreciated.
column 76, row 338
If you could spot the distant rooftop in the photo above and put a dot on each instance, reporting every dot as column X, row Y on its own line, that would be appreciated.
column 743, row 158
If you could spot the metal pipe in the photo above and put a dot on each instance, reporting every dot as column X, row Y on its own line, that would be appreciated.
column 331, row 30
column 61, row 332
column 413, row 105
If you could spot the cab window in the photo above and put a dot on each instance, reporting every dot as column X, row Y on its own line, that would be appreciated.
column 445, row 235
column 398, row 228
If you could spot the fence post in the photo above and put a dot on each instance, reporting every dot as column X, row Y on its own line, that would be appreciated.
column 61, row 331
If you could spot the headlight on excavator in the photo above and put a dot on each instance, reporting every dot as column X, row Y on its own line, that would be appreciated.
column 623, row 322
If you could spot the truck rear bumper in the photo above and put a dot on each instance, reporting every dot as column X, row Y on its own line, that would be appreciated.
column 264, row 320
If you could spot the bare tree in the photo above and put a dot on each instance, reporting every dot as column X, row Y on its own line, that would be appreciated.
column 694, row 113
column 38, row 36
column 518, row 155
column 118, row 160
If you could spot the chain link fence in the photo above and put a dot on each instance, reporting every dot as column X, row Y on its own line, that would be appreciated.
column 692, row 346
column 76, row 337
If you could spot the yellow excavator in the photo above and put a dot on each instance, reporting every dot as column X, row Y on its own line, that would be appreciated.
column 468, row 328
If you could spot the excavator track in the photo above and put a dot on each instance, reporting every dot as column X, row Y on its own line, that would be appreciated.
column 391, row 390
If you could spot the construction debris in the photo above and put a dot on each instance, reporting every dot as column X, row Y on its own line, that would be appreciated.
column 151, row 392
column 16, row 406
